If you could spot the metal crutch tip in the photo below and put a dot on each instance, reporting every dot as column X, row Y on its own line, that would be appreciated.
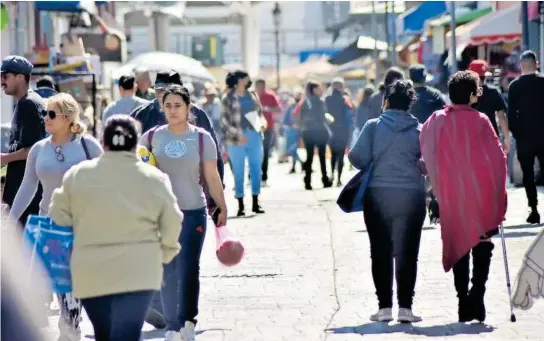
column 512, row 318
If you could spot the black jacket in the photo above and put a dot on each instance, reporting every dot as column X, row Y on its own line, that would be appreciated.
column 428, row 101
column 526, row 108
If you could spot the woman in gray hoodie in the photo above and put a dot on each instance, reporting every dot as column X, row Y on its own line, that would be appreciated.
column 394, row 201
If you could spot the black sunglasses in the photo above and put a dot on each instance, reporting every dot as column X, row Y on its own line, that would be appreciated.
column 52, row 114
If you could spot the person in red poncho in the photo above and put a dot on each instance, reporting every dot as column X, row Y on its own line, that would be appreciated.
column 467, row 169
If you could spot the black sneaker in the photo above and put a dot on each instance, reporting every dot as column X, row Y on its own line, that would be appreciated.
column 534, row 217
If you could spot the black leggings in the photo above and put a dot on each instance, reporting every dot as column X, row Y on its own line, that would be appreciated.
column 527, row 152
column 394, row 219
column 310, row 146
column 338, row 151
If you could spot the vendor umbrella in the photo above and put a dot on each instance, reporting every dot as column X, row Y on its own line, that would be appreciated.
column 160, row 61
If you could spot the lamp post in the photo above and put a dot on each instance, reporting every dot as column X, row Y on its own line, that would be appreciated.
column 541, row 9
column 276, row 13
column 453, row 47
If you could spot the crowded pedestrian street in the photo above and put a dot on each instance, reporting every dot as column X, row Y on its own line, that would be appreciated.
column 306, row 277
column 271, row 170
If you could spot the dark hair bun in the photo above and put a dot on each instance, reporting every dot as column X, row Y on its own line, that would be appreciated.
column 121, row 133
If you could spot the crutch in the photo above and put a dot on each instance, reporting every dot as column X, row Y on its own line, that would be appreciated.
column 505, row 258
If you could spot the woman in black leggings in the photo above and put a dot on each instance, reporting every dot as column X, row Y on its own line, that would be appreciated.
column 394, row 200
column 314, row 132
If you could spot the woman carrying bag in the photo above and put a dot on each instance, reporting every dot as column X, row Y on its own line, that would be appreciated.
column 48, row 161
column 242, row 138
column 126, row 224
column 187, row 154
column 394, row 199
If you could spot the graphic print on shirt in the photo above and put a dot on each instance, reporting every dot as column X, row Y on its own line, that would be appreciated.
column 175, row 149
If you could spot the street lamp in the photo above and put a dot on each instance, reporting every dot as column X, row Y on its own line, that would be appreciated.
column 276, row 13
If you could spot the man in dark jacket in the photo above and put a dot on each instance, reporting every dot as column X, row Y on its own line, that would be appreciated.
column 151, row 115
column 526, row 120
column 428, row 99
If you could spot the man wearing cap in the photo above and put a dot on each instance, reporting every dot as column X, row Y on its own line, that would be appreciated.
column 491, row 103
column 428, row 99
column 27, row 128
column 128, row 101
column 144, row 90
column 526, row 119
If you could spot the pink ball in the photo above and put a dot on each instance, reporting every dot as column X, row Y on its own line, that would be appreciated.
column 230, row 252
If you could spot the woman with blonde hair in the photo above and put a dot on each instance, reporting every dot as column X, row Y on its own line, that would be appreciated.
column 47, row 162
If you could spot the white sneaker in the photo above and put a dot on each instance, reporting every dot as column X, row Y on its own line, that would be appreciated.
column 406, row 316
column 383, row 315
column 188, row 332
column 172, row 336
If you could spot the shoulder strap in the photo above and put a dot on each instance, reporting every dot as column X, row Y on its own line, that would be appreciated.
column 150, row 138
column 85, row 149
column 200, row 155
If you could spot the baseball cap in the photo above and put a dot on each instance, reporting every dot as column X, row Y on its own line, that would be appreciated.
column 480, row 67
column 17, row 65
column 127, row 82
column 166, row 78
column 418, row 73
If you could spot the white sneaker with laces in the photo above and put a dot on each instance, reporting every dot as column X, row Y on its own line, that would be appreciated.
column 188, row 332
column 383, row 315
column 172, row 336
column 407, row 316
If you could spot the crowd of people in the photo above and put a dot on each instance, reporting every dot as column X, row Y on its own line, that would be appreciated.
column 139, row 229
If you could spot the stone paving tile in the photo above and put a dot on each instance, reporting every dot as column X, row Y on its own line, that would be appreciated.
column 306, row 277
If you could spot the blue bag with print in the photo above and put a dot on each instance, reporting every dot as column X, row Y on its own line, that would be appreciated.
column 52, row 244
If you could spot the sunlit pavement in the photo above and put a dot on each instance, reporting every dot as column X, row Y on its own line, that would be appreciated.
column 306, row 276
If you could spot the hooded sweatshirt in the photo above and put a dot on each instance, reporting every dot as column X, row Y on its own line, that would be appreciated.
column 399, row 166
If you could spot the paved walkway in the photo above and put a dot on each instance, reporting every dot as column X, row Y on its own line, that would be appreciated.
column 306, row 277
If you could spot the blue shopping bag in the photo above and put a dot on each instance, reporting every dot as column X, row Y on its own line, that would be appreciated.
column 52, row 244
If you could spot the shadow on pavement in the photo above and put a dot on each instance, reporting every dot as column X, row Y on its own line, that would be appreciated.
column 523, row 226
column 375, row 328
column 425, row 228
column 518, row 234
column 159, row 334
column 243, row 217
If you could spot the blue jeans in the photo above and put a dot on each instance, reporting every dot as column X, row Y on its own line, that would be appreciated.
column 181, row 283
column 293, row 137
column 254, row 152
column 118, row 317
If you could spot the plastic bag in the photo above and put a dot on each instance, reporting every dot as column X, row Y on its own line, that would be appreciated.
column 52, row 244
column 230, row 250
